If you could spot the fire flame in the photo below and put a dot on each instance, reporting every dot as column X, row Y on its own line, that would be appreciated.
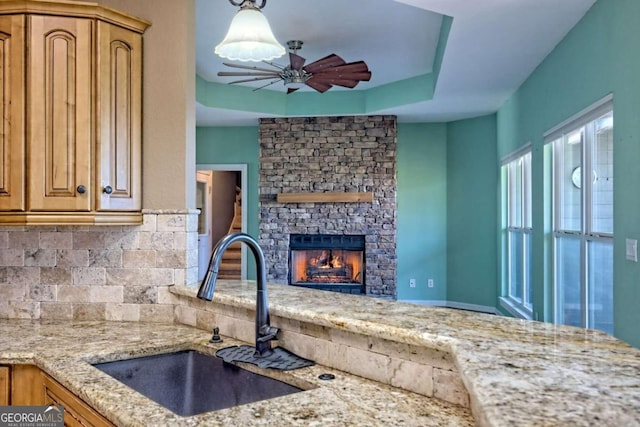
column 342, row 266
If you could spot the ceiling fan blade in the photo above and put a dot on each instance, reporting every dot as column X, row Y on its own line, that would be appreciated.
column 335, row 81
column 296, row 61
column 352, row 67
column 268, row 84
column 254, row 79
column 247, row 67
column 330, row 61
column 246, row 74
column 292, row 89
column 345, row 76
column 273, row 64
column 319, row 86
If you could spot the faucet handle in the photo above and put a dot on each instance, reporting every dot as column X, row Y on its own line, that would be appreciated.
column 267, row 333
column 216, row 336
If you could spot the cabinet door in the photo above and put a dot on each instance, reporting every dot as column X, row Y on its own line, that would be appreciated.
column 61, row 114
column 4, row 385
column 118, row 166
column 12, row 151
column 26, row 386
column 76, row 412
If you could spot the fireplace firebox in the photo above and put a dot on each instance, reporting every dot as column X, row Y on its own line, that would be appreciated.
column 328, row 262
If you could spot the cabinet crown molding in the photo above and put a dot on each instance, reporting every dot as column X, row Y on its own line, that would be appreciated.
column 74, row 9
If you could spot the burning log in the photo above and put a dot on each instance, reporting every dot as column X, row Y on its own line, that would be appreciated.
column 329, row 275
column 326, row 266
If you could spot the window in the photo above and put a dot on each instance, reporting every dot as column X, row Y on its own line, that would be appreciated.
column 583, row 219
column 516, row 173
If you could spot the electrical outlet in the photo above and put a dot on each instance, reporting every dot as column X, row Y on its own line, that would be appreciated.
column 632, row 250
column 430, row 283
column 412, row 283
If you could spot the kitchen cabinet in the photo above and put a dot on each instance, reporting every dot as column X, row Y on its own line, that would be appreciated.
column 12, row 105
column 76, row 412
column 59, row 114
column 28, row 385
column 119, row 172
column 4, row 385
column 70, row 134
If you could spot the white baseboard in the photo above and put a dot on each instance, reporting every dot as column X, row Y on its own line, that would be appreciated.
column 454, row 304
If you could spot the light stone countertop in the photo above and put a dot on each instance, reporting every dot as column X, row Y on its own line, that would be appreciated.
column 517, row 372
column 65, row 349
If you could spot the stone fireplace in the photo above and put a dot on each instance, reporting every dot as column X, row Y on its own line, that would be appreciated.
column 341, row 156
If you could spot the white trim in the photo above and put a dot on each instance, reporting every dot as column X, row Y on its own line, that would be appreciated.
column 456, row 305
column 242, row 168
column 526, row 148
column 583, row 117
column 513, row 309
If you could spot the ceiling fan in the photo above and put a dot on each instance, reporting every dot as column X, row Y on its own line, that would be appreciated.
column 320, row 75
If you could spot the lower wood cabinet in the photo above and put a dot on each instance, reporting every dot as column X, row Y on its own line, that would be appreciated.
column 76, row 412
column 28, row 385
column 4, row 385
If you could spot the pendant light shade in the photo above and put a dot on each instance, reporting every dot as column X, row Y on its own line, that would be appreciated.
column 249, row 37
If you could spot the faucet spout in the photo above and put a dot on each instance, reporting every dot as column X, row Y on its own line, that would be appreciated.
column 264, row 332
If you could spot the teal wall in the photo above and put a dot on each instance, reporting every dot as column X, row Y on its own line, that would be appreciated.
column 234, row 145
column 434, row 160
column 421, row 197
column 600, row 55
column 422, row 210
column 448, row 173
column 472, row 211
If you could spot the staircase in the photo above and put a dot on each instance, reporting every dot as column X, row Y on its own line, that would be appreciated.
column 230, row 267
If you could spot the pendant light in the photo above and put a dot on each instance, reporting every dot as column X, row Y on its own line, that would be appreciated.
column 249, row 37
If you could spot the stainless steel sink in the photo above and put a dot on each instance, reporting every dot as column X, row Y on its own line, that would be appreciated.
column 190, row 383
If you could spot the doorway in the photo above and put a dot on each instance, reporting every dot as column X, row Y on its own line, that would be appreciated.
column 221, row 197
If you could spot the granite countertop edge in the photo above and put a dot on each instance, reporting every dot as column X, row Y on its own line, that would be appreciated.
column 66, row 350
column 517, row 372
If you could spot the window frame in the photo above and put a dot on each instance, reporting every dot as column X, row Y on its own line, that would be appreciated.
column 584, row 121
column 517, row 220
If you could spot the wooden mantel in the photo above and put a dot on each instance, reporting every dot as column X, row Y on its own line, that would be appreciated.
column 325, row 197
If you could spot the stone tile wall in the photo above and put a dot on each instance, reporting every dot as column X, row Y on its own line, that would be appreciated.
column 330, row 154
column 98, row 272
column 422, row 370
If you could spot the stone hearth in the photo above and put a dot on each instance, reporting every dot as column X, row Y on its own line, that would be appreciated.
column 330, row 154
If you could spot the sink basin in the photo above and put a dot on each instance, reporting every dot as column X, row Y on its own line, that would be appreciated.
column 190, row 383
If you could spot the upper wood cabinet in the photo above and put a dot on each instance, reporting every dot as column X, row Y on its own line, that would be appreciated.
column 119, row 125
column 59, row 111
column 12, row 107
column 71, row 108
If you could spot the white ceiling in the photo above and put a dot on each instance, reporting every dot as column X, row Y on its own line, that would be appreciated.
column 493, row 46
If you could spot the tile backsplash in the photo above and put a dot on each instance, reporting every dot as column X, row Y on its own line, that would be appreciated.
column 98, row 272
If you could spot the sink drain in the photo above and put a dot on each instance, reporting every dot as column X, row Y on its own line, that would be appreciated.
column 326, row 377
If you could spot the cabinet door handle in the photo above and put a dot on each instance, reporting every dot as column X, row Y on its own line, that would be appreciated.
column 81, row 189
column 107, row 189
